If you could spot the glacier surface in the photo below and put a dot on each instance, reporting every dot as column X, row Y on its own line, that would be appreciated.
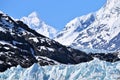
column 93, row 70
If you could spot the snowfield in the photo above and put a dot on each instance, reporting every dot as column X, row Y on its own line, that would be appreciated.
column 93, row 70
column 98, row 30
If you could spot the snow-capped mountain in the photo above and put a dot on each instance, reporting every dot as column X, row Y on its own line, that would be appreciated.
column 34, row 22
column 93, row 70
column 99, row 30
column 20, row 45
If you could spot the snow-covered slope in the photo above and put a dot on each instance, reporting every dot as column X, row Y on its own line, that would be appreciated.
column 99, row 31
column 73, row 28
column 93, row 70
column 34, row 22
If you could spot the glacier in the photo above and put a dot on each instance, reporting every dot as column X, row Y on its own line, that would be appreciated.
column 93, row 70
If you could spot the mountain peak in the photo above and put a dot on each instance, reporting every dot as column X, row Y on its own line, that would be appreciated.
column 34, row 22
column 32, row 19
column 33, row 14
column 100, row 30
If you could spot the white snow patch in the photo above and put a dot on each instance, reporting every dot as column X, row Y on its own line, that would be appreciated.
column 2, row 29
column 1, row 62
column 50, row 49
column 7, row 48
column 42, row 48
column 46, row 58
column 34, row 39
column 113, row 45
column 4, row 43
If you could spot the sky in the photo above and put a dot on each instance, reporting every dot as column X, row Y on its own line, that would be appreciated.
column 56, row 13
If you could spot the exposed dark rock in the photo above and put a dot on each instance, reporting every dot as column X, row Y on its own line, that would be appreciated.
column 110, row 57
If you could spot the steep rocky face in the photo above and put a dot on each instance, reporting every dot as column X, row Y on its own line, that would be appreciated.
column 14, row 49
column 35, row 23
column 101, row 31
column 20, row 45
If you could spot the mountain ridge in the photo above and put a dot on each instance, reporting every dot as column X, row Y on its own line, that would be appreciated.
column 102, row 31
column 40, row 26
